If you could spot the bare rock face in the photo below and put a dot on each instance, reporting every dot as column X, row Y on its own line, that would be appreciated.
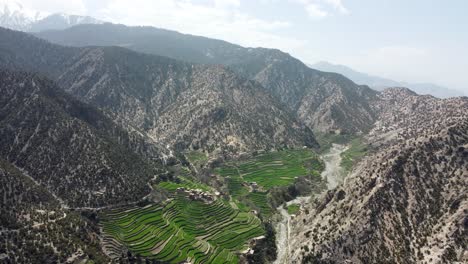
column 68, row 147
column 404, row 204
column 174, row 103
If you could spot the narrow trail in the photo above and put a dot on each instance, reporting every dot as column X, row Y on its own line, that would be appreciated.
column 334, row 175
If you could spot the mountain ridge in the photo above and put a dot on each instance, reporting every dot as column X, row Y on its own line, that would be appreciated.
column 279, row 73
column 380, row 83
column 137, row 89
column 48, row 134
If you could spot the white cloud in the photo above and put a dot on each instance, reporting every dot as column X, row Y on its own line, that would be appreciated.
column 218, row 19
column 322, row 8
column 76, row 7
column 226, row 3
column 315, row 11
column 337, row 5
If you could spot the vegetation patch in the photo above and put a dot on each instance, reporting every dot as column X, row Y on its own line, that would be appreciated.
column 293, row 209
column 197, row 158
column 275, row 169
column 356, row 151
column 326, row 140
column 183, row 229
column 250, row 182
column 184, row 182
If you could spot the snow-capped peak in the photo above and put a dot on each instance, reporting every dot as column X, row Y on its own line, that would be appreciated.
column 15, row 16
column 13, row 8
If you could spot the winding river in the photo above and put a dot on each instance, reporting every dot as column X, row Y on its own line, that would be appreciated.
column 333, row 174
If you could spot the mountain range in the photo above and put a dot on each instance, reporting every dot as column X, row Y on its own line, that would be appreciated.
column 380, row 83
column 14, row 16
column 320, row 100
column 109, row 121
column 152, row 94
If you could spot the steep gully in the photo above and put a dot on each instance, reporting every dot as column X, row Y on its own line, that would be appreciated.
column 333, row 174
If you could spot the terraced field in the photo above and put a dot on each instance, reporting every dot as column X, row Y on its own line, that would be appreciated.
column 183, row 230
column 275, row 168
column 260, row 200
column 249, row 181
column 184, row 183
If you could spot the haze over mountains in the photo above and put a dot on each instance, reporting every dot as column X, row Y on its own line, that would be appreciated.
column 13, row 15
column 105, row 129
column 380, row 83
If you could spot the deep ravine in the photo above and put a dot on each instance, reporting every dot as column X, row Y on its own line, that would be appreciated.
column 333, row 174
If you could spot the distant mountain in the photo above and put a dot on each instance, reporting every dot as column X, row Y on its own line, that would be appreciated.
column 180, row 104
column 61, row 21
column 14, row 16
column 379, row 83
column 323, row 101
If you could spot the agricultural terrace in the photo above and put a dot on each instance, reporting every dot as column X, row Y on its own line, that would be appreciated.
column 184, row 182
column 274, row 168
column 250, row 180
column 183, row 230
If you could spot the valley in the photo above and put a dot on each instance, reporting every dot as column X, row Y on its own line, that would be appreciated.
column 136, row 144
column 333, row 174
column 210, row 225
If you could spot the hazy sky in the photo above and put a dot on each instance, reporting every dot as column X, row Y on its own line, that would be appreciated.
column 405, row 40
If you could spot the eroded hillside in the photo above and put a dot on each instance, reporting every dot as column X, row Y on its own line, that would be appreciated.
column 68, row 147
column 175, row 103
column 405, row 204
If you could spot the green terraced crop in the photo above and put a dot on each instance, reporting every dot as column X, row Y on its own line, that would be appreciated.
column 260, row 200
column 274, row 168
column 267, row 170
column 183, row 230
column 184, row 183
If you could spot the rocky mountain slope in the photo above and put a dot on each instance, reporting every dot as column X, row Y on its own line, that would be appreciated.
column 403, row 114
column 68, row 147
column 34, row 228
column 175, row 103
column 324, row 101
column 407, row 202
column 380, row 83
column 14, row 16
